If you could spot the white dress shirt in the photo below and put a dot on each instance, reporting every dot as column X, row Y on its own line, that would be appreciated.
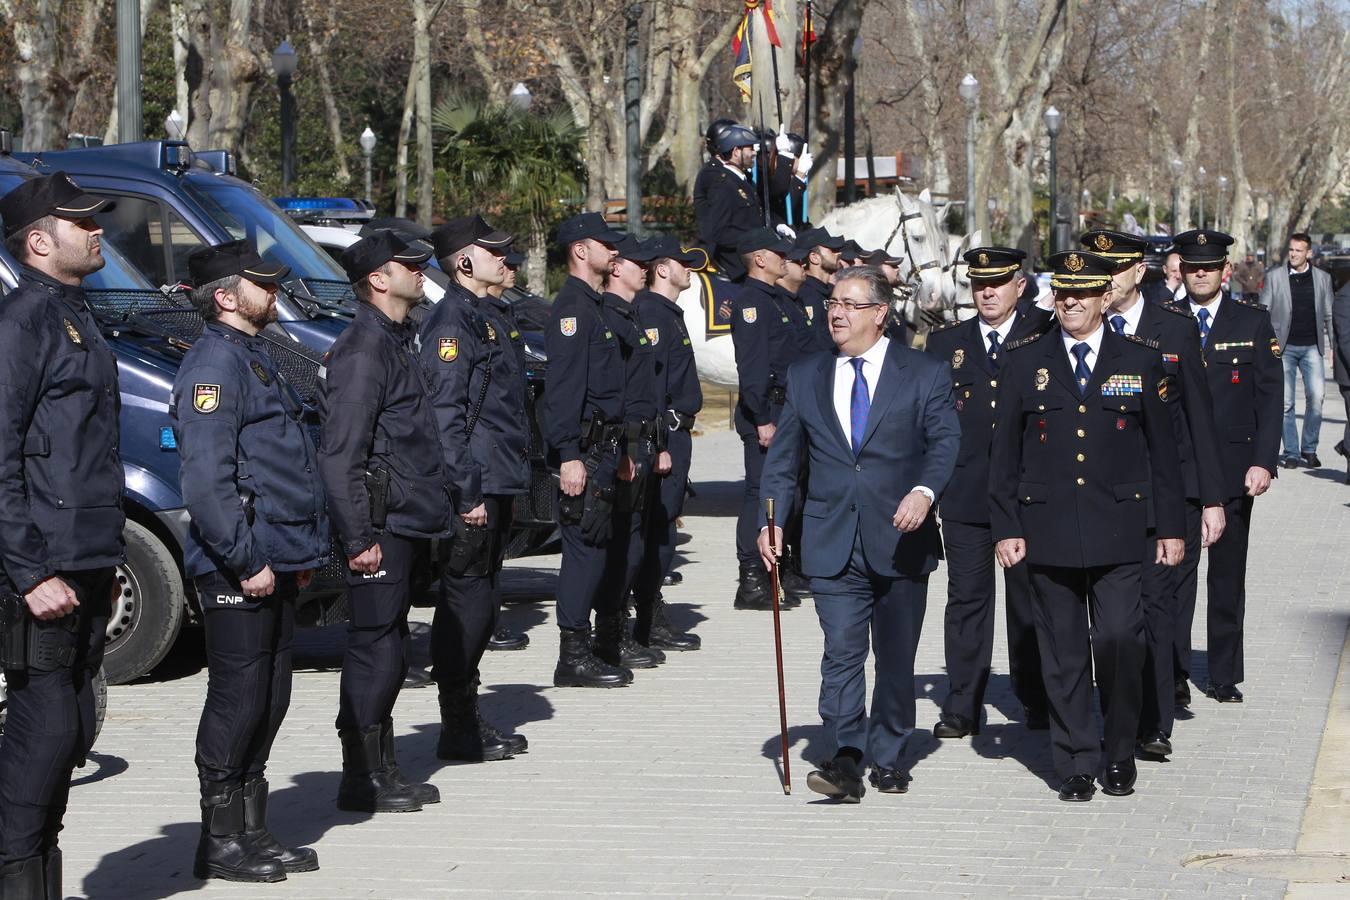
column 1213, row 308
column 1094, row 341
column 1132, row 317
column 734, row 170
column 1003, row 331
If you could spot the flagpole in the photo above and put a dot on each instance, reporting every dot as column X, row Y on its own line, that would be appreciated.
column 807, row 40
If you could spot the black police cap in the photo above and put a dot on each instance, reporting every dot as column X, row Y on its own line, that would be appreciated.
column 669, row 247
column 1201, row 246
column 590, row 225
column 851, row 250
column 1078, row 270
column 818, row 237
column 763, row 239
column 48, row 195
column 993, row 262
column 208, row 264
column 1118, row 245
column 514, row 259
column 378, row 248
column 459, row 233
column 630, row 248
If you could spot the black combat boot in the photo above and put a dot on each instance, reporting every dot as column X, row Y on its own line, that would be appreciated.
column 461, row 736
column 613, row 644
column 491, row 733
column 504, row 638
column 292, row 859
column 224, row 850
column 632, row 653
column 796, row 586
column 753, row 590
column 579, row 667
column 366, row 786
column 51, row 863
column 652, row 628
column 425, row 793
column 22, row 879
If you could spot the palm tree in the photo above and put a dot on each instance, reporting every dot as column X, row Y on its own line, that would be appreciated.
column 527, row 165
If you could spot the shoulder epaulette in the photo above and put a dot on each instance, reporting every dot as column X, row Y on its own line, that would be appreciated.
column 1049, row 326
column 1245, row 302
column 946, row 325
column 1147, row 342
column 1179, row 310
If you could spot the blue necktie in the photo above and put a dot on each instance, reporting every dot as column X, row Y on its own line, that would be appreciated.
column 993, row 349
column 1118, row 323
column 859, row 406
column 1202, row 317
column 1081, row 371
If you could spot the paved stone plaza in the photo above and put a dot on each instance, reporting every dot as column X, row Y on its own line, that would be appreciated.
column 671, row 787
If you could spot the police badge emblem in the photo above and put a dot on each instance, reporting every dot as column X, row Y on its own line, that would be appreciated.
column 1042, row 379
column 654, row 335
column 492, row 333
column 984, row 259
column 1103, row 242
column 750, row 315
column 958, row 358
column 1074, row 263
column 72, row 333
column 568, row 326
column 260, row 372
column 811, row 314
column 448, row 349
column 205, row 397
column 1201, row 239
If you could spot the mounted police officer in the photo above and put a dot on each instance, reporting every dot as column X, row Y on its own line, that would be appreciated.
column 479, row 397
column 250, row 483
column 679, row 398
column 61, row 502
column 388, row 493
column 583, row 423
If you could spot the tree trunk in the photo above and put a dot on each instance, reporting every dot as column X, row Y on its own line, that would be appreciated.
column 493, row 80
column 832, row 66
column 425, row 152
column 320, row 32
column 938, row 174
column 687, row 119
column 404, row 135
column 536, row 257
column 45, row 96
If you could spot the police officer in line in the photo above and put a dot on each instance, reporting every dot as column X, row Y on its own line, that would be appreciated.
column 974, row 349
column 822, row 261
column 897, row 328
column 583, row 423
column 478, row 394
column 1242, row 366
column 766, row 342
column 250, row 482
column 1173, row 329
column 794, row 275
column 1083, row 450
column 61, row 502
column 642, row 458
column 679, row 398
column 388, row 494
column 500, row 312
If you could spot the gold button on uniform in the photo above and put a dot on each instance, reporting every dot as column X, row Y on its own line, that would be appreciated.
column 993, row 403
column 1082, row 433
column 1138, row 496
column 1081, row 482
column 1041, row 408
column 993, row 382
column 1081, row 457
column 1081, row 408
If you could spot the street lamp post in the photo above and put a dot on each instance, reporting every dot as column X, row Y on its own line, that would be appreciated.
column 1219, row 204
column 520, row 96
column 970, row 95
column 1053, row 120
column 1177, row 165
column 1200, row 174
column 284, row 63
column 367, row 141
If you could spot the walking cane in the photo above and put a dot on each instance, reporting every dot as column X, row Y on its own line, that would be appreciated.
column 778, row 654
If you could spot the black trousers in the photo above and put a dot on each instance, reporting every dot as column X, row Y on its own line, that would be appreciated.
column 1226, row 592
column 248, row 661
column 968, row 623
column 1161, row 598
column 376, row 661
column 747, row 522
column 50, row 727
column 466, row 610
column 1090, row 619
column 665, row 502
column 1184, row 587
column 581, row 574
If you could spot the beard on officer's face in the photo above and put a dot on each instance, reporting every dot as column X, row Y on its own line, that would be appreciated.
column 77, row 250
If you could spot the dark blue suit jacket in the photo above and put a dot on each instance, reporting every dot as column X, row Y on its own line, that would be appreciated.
column 912, row 438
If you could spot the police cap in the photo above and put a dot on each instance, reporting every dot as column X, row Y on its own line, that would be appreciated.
column 1201, row 246
column 48, row 195
column 208, row 264
column 587, row 225
column 763, row 239
column 514, row 259
column 851, row 250
column 734, row 136
column 1118, row 245
column 669, row 247
column 378, row 248
column 1079, row 270
column 879, row 258
column 633, row 250
column 991, row 263
column 818, row 237
column 458, row 234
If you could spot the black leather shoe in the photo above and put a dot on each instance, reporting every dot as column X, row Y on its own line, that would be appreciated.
column 1224, row 693
column 752, row 591
column 1181, row 691
column 840, row 778
column 1118, row 779
column 1289, row 462
column 416, row 678
column 889, row 781
column 1037, row 720
column 1155, row 745
column 1340, row 448
column 506, row 639
column 1077, row 789
column 1311, row 460
column 579, row 667
column 652, row 628
column 793, row 582
column 672, row 578
column 953, row 726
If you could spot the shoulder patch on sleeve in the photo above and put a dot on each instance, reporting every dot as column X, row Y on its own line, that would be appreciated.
column 448, row 349
column 568, row 325
column 654, row 335
column 205, row 397
column 1147, row 342
column 750, row 314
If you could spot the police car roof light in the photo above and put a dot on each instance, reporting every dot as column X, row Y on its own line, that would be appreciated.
column 325, row 203
column 219, row 161
column 175, row 156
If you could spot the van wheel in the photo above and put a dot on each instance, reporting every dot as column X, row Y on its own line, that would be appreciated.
column 147, row 612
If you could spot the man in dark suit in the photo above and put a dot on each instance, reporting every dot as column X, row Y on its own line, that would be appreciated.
column 1242, row 366
column 1340, row 313
column 1187, row 394
column 975, row 349
column 876, row 429
column 1082, row 442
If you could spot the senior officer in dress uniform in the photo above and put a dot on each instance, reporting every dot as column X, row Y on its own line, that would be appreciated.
column 766, row 343
column 388, row 493
column 679, row 398
column 583, row 424
column 1082, row 442
column 478, row 394
column 1173, row 328
column 61, row 502
column 975, row 350
column 250, row 482
column 1242, row 366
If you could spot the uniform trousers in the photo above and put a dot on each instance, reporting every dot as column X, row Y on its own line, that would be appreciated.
column 665, row 502
column 248, row 661
column 1160, row 591
column 467, row 606
column 1185, row 586
column 968, row 623
column 852, row 605
column 747, row 522
column 1090, row 619
column 581, row 573
column 50, row 727
column 1226, row 595
column 626, row 546
column 376, row 661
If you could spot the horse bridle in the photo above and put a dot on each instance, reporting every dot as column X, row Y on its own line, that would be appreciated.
column 901, row 229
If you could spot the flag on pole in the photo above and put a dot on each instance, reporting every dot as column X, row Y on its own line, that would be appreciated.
column 808, row 37
column 740, row 42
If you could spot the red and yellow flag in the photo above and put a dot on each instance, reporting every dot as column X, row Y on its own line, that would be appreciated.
column 740, row 42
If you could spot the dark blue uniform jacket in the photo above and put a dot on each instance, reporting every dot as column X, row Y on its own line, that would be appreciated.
column 585, row 369
column 677, row 385
column 506, row 412
column 766, row 343
column 813, row 295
